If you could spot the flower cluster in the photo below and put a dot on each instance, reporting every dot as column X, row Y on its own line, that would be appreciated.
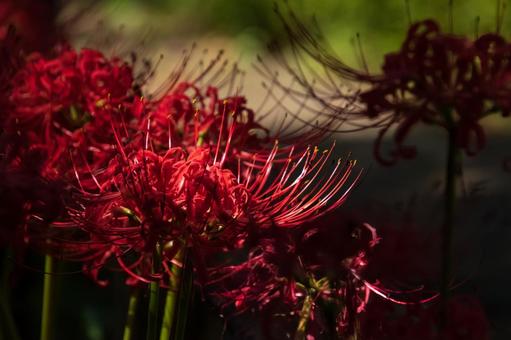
column 150, row 203
column 314, row 275
column 191, row 185
column 109, row 177
column 146, row 179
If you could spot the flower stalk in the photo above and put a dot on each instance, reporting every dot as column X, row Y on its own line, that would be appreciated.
column 185, row 294
column 48, row 298
column 453, row 168
column 305, row 314
column 130, row 318
column 154, row 299
column 171, row 298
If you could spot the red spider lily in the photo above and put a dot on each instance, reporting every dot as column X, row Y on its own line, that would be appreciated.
column 62, row 93
column 159, row 203
column 319, row 266
column 187, row 115
column 66, row 103
column 435, row 78
column 147, row 201
column 46, row 126
column 441, row 79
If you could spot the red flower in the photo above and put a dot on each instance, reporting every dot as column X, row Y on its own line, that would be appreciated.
column 321, row 264
column 11, row 60
column 441, row 79
column 67, row 102
column 63, row 93
column 147, row 201
column 435, row 78
column 187, row 115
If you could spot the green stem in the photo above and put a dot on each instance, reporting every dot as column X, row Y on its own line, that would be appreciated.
column 185, row 293
column 48, row 297
column 452, row 170
column 171, row 299
column 154, row 299
column 130, row 318
column 305, row 313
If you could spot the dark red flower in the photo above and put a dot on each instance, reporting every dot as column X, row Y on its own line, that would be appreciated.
column 316, row 269
column 441, row 79
column 436, row 78
column 11, row 61
column 187, row 115
column 66, row 103
column 149, row 201
column 63, row 93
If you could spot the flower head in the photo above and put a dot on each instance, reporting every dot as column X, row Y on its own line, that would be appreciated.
column 64, row 92
column 287, row 269
column 150, row 201
column 436, row 78
column 441, row 79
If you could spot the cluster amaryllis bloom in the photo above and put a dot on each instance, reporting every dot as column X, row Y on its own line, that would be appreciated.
column 149, row 184
column 66, row 102
column 313, row 275
column 152, row 203
column 188, row 114
column 436, row 78
column 54, row 114
column 64, row 92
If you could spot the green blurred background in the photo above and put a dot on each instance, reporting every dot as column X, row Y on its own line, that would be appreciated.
column 249, row 24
